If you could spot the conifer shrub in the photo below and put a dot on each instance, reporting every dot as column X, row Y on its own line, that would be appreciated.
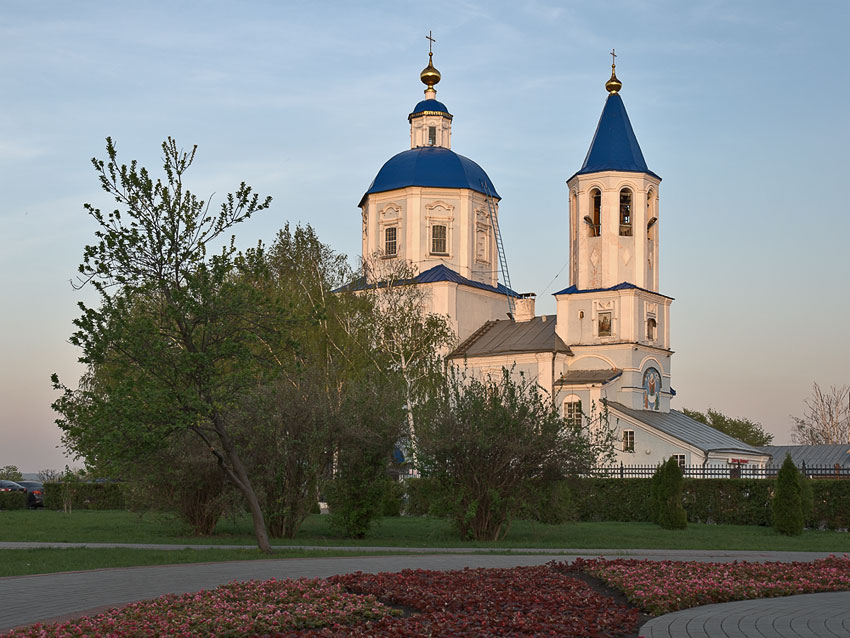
column 787, row 502
column 668, row 494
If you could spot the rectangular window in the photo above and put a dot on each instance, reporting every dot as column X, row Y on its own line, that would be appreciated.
column 628, row 440
column 604, row 324
column 432, row 135
column 438, row 240
column 680, row 459
column 572, row 412
column 391, row 241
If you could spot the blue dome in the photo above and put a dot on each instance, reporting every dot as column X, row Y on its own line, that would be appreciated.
column 430, row 105
column 431, row 166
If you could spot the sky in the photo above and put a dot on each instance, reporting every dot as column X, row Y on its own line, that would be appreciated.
column 741, row 107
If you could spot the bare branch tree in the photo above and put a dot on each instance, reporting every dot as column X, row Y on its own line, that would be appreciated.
column 826, row 417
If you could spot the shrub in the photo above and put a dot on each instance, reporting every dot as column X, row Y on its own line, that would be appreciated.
column 831, row 503
column 787, row 503
column 13, row 500
column 728, row 501
column 356, row 493
column 485, row 440
column 84, row 496
column 605, row 499
column 720, row 501
column 393, row 497
column 655, row 493
column 807, row 503
column 549, row 502
column 668, row 496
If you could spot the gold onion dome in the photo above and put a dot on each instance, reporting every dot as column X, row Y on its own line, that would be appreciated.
column 430, row 75
column 613, row 85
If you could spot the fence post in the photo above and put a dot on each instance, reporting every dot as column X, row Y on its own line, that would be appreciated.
column 804, row 470
column 621, row 469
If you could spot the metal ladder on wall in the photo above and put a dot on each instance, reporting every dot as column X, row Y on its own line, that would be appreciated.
column 500, row 247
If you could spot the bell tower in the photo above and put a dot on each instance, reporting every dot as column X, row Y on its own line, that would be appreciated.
column 612, row 315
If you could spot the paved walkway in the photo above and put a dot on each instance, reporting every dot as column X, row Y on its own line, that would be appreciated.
column 29, row 599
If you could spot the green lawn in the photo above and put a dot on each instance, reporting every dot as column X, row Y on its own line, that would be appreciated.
column 124, row 527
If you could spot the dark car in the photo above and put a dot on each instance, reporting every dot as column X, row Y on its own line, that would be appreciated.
column 35, row 493
column 11, row 486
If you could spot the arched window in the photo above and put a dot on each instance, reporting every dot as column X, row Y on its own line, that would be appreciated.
column 594, row 220
column 652, row 219
column 651, row 327
column 625, row 213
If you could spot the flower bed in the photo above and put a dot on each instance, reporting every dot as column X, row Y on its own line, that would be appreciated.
column 256, row 608
column 523, row 601
column 660, row 587
column 546, row 600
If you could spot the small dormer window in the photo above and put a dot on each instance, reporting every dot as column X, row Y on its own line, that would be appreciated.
column 432, row 135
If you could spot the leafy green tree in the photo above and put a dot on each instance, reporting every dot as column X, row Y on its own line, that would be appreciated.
column 180, row 334
column 369, row 424
column 411, row 341
column 316, row 421
column 485, row 440
column 667, row 489
column 745, row 430
column 787, row 500
column 11, row 473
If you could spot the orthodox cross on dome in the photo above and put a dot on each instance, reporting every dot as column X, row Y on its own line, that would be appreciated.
column 430, row 75
column 613, row 85
column 430, row 42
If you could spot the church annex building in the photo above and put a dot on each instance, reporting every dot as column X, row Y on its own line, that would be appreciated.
column 610, row 336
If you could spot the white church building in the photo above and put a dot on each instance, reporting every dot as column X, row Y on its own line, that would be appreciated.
column 610, row 337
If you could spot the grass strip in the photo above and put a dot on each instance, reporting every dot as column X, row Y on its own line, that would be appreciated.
column 125, row 527
column 24, row 562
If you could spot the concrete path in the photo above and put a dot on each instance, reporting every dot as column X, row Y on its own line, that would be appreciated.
column 806, row 616
column 30, row 599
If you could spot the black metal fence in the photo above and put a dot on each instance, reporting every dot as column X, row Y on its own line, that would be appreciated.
column 733, row 470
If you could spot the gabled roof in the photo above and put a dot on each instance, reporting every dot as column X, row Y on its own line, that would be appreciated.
column 688, row 430
column 614, row 146
column 573, row 290
column 512, row 337
column 438, row 273
column 430, row 166
column 811, row 455
column 581, row 377
column 441, row 272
